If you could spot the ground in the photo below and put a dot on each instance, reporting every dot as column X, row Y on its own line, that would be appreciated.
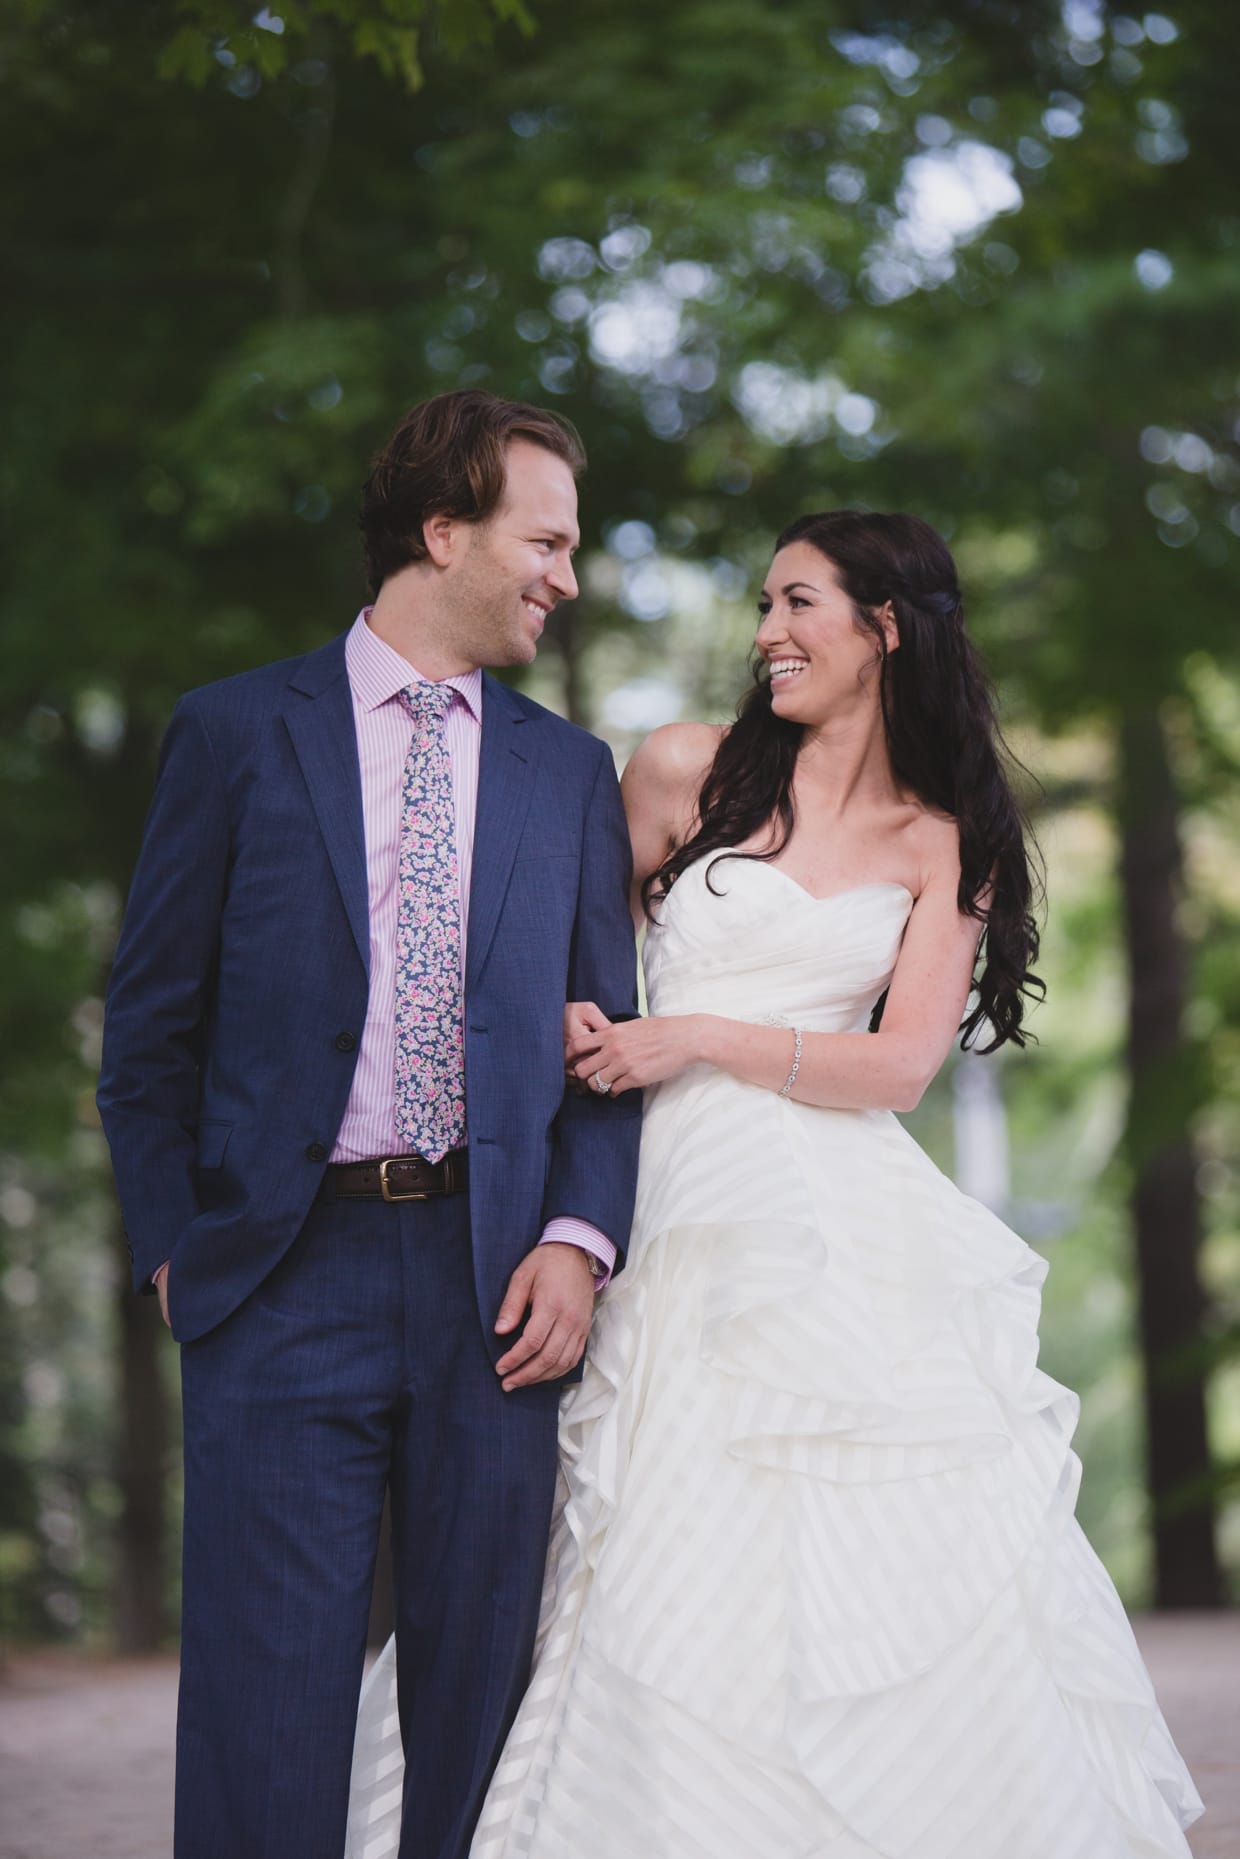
column 86, row 1747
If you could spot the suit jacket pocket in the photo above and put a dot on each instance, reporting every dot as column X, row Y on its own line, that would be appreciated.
column 212, row 1142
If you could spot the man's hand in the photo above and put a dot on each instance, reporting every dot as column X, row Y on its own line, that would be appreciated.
column 160, row 1281
column 555, row 1284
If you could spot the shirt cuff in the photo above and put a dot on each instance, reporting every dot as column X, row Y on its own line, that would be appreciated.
column 159, row 1271
column 567, row 1230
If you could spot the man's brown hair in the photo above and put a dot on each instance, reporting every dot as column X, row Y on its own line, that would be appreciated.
column 447, row 457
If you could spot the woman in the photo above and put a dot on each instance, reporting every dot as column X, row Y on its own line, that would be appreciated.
column 816, row 1590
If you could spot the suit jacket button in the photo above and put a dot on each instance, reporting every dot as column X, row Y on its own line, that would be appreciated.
column 316, row 1153
column 345, row 1042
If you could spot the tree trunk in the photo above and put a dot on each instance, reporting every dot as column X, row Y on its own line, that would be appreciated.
column 1166, row 1211
column 564, row 628
column 142, row 1439
column 317, row 117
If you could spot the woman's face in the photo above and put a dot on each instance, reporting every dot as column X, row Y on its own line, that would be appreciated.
column 822, row 664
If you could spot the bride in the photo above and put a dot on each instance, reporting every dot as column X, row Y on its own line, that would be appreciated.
column 815, row 1588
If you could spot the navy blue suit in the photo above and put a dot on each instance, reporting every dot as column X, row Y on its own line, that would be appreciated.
column 331, row 1349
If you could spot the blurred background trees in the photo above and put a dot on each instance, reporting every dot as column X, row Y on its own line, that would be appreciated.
column 978, row 260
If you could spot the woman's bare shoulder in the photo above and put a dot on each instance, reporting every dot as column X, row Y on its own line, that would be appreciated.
column 934, row 841
column 661, row 785
column 675, row 756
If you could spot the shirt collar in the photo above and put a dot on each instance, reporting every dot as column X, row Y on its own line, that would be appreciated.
column 377, row 671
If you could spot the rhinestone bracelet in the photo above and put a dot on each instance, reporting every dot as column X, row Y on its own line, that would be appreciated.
column 791, row 1079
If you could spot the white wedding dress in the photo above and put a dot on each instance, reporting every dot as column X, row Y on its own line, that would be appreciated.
column 815, row 1587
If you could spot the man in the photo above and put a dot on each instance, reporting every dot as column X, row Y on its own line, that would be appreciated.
column 333, row 1087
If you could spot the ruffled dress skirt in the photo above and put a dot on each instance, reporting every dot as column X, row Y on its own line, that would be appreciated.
column 816, row 1589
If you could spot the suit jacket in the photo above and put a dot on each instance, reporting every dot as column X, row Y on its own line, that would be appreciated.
column 239, row 988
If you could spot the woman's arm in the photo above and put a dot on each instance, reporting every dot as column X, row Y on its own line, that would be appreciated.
column 887, row 1070
column 660, row 788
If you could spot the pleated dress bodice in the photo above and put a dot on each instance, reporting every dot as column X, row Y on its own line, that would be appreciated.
column 738, row 937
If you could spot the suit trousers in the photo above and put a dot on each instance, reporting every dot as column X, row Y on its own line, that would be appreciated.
column 358, row 1366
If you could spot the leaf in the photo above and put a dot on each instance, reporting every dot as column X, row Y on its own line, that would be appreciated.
column 187, row 55
column 393, row 48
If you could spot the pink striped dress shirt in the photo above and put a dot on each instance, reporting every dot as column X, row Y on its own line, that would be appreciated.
column 377, row 674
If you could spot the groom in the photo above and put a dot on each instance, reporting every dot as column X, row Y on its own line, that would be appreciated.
column 333, row 1088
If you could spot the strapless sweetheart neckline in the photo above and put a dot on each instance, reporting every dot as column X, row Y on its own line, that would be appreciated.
column 831, row 897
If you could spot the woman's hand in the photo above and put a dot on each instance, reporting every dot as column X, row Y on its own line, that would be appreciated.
column 629, row 1054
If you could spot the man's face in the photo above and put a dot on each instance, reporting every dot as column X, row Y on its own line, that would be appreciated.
column 518, row 564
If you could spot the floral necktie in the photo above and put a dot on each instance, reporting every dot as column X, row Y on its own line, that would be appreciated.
column 430, row 1044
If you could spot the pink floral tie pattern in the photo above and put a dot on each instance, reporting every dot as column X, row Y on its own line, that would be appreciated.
column 430, row 1036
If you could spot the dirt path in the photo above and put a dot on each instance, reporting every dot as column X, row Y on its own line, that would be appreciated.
column 1194, row 1660
column 86, row 1749
column 86, row 1759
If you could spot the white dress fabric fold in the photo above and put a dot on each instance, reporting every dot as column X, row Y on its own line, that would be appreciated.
column 815, row 1588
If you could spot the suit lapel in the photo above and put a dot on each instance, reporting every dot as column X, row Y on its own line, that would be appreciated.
column 319, row 717
column 506, row 763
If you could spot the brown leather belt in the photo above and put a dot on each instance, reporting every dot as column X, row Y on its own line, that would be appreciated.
column 398, row 1178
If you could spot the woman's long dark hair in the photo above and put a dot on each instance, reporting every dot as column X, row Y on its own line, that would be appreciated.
column 942, row 737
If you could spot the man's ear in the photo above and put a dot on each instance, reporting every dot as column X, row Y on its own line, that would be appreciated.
column 442, row 535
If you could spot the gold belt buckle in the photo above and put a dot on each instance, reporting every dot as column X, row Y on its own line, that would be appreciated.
column 393, row 1194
